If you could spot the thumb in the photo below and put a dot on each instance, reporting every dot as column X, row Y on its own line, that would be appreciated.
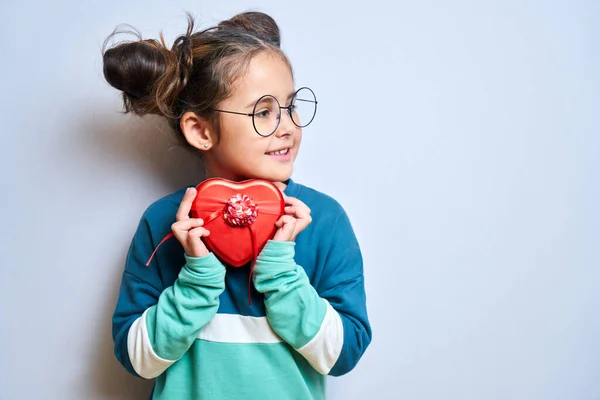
column 286, row 225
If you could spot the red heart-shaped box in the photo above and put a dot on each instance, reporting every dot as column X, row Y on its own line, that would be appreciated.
column 238, row 245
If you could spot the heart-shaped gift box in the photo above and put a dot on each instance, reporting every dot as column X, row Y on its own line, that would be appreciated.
column 240, row 216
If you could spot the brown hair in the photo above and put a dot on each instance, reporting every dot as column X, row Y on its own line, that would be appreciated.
column 196, row 73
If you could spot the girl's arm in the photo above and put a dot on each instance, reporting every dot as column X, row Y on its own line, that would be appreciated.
column 153, row 328
column 328, row 325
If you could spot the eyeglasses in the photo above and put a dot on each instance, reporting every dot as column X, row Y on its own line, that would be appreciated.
column 266, row 115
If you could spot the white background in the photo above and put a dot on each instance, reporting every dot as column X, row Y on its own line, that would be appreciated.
column 462, row 137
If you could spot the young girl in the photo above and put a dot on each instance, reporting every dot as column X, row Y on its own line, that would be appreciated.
column 185, row 319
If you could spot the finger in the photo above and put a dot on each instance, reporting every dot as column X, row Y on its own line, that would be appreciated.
column 302, row 212
column 290, row 210
column 286, row 225
column 181, row 228
column 299, row 213
column 187, row 224
column 303, row 218
column 288, row 199
column 194, row 245
column 198, row 232
column 298, row 204
column 186, row 204
column 288, row 229
column 283, row 220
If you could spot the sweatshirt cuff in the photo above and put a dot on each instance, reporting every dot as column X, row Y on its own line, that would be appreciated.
column 276, row 257
column 204, row 264
column 277, row 251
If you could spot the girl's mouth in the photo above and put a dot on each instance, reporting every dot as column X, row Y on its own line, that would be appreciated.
column 281, row 152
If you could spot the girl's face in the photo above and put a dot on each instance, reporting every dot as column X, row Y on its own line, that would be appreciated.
column 241, row 153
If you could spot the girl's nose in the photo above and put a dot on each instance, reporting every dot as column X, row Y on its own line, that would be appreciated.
column 286, row 125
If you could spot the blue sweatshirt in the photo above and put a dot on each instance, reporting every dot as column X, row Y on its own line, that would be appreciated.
column 185, row 321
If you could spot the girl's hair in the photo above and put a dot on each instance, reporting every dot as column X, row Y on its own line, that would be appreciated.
column 196, row 73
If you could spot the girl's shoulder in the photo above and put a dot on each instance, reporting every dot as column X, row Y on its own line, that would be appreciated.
column 160, row 214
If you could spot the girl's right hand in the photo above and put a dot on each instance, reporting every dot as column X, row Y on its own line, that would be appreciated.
column 190, row 231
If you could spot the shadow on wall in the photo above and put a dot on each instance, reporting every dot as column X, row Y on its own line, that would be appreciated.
column 139, row 147
column 145, row 146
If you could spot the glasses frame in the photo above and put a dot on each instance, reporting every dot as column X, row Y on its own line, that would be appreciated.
column 289, row 110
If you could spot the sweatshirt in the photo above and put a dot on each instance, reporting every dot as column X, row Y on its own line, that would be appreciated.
column 186, row 322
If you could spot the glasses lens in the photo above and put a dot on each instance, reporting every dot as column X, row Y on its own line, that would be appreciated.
column 266, row 115
column 304, row 107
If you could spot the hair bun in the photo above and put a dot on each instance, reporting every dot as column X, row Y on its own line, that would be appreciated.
column 257, row 23
column 133, row 67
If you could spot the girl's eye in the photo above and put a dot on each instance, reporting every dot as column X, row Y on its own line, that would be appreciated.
column 262, row 113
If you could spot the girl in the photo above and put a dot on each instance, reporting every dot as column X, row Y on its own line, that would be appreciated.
column 185, row 320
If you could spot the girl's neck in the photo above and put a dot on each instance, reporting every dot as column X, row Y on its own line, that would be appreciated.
column 211, row 174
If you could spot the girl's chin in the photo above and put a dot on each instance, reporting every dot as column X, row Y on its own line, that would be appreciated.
column 281, row 174
column 276, row 177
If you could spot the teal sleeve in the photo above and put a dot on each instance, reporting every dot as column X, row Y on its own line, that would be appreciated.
column 342, row 283
column 294, row 309
column 184, row 308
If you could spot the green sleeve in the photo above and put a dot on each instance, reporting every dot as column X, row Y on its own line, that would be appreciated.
column 294, row 309
column 184, row 308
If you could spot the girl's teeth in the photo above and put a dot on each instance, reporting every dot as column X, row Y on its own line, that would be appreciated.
column 279, row 153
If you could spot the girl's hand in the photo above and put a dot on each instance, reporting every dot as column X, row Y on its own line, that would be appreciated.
column 296, row 218
column 189, row 231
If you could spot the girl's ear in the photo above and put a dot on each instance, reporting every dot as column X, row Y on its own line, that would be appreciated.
column 198, row 132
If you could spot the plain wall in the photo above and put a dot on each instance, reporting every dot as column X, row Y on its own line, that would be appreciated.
column 461, row 137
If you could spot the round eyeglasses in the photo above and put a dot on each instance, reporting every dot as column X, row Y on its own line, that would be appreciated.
column 266, row 114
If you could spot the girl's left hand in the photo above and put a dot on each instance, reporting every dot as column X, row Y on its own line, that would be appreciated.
column 296, row 218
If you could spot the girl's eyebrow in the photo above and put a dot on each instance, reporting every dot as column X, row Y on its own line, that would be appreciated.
column 252, row 103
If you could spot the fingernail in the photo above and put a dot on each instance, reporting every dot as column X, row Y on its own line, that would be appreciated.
column 188, row 190
column 200, row 220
